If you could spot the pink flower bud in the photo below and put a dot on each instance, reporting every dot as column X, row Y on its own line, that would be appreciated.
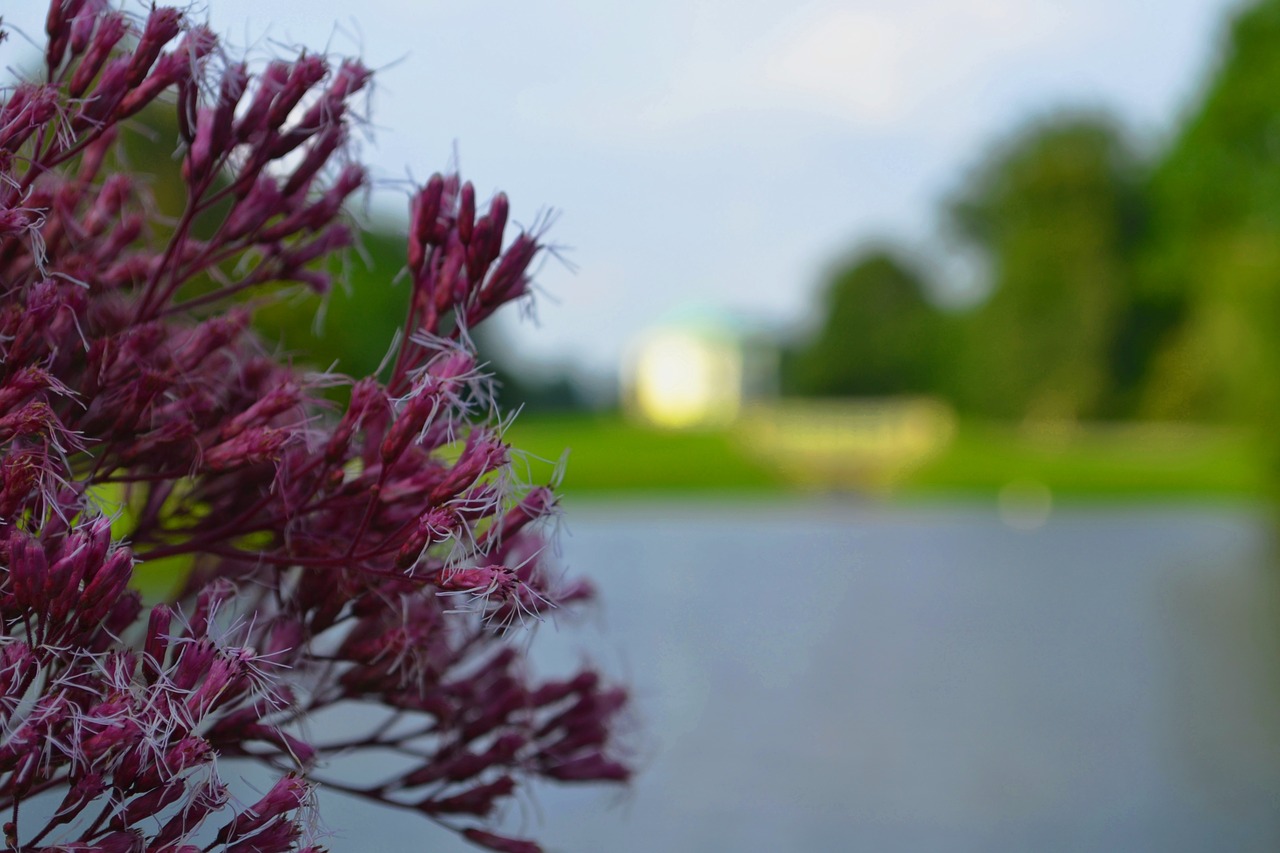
column 501, row 843
column 466, row 212
column 588, row 768
column 426, row 208
column 108, row 581
column 27, row 568
column 317, row 156
column 482, row 454
column 287, row 795
column 57, row 26
column 270, row 83
column 198, row 164
column 83, row 22
column 155, row 645
column 251, row 447
column 277, row 401
column 305, row 73
column 122, row 841
column 79, row 795
column 365, row 396
column 204, row 797
column 111, row 28
column 110, row 88
column 478, row 801
column 148, row 804
column 163, row 25
column 169, row 70
column 30, row 107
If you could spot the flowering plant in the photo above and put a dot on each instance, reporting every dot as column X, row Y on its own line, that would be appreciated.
column 373, row 555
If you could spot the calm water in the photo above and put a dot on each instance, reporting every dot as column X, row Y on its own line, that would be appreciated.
column 818, row 677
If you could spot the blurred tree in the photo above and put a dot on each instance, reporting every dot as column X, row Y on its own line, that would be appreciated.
column 880, row 334
column 1057, row 214
column 1214, row 250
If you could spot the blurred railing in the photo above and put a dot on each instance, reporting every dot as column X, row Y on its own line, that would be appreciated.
column 846, row 444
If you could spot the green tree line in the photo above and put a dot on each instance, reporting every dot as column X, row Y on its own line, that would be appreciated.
column 1124, row 283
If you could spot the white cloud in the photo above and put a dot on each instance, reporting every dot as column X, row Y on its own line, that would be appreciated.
column 869, row 64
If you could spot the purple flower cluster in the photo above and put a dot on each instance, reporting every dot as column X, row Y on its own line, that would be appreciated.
column 374, row 556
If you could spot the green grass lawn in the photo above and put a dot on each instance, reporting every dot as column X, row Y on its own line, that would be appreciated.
column 1129, row 461
column 609, row 455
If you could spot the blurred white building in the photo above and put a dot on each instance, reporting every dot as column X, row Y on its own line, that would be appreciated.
column 698, row 371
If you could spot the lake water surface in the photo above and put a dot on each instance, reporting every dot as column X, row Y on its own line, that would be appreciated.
column 824, row 676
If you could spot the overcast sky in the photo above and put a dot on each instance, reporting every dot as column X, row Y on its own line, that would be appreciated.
column 709, row 153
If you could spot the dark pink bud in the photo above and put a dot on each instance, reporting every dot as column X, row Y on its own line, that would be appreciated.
column 131, row 841
column 80, row 794
column 352, row 76
column 234, row 82
column 538, row 503
column 198, row 164
column 251, row 447
column 30, row 106
column 316, row 216
column 435, row 525
column 509, row 279
column 305, row 73
column 62, row 582
column 317, row 155
column 287, row 635
column 276, row 402
column 287, row 795
column 57, row 26
column 426, row 208
column 298, row 750
column 204, row 797
column 156, row 645
column 334, row 238
column 82, row 25
column 554, row 691
column 112, row 85
column 111, row 28
column 211, row 598
column 365, row 395
column 212, row 335
column 478, row 801
column 121, row 735
column 121, row 614
column 588, row 768
column 496, row 581
column 466, row 212
column 27, row 568
column 499, row 209
column 18, row 665
column 163, row 25
column 21, row 385
column 278, row 837
column 416, row 415
column 501, row 843
column 105, row 212
column 222, row 682
column 482, row 454
column 188, row 102
column 193, row 662
column 104, row 588
column 148, row 804
column 169, row 70
column 467, row 765
column 271, row 82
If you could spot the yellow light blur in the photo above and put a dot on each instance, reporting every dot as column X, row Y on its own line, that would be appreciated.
column 682, row 380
